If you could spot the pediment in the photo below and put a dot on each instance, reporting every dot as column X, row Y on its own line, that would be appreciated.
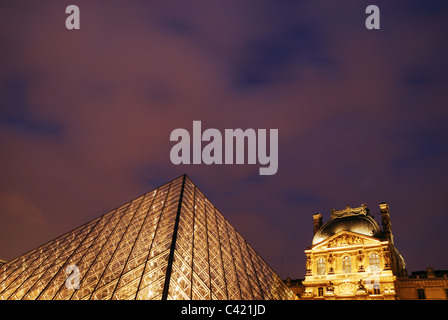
column 346, row 238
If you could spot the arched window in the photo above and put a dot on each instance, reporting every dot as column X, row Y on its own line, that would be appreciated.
column 347, row 264
column 320, row 266
column 374, row 262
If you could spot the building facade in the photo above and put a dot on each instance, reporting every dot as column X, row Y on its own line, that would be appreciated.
column 173, row 243
column 351, row 257
column 429, row 284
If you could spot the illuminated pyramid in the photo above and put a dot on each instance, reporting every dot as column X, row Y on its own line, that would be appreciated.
column 170, row 243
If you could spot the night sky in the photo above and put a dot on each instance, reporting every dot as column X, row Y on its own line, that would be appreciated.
column 86, row 115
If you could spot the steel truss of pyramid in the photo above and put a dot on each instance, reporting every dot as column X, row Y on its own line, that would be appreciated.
column 170, row 243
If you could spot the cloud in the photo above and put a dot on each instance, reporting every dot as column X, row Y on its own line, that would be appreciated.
column 86, row 116
column 16, row 206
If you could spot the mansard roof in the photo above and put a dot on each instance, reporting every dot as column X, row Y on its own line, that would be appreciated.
column 357, row 220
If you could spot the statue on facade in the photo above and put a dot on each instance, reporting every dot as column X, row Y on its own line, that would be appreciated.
column 360, row 259
column 330, row 287
column 361, row 286
column 387, row 260
column 330, row 260
column 308, row 266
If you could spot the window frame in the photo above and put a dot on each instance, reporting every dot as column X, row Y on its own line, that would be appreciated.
column 374, row 262
column 321, row 267
column 320, row 292
column 346, row 264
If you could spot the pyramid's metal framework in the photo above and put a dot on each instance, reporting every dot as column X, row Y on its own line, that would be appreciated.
column 170, row 243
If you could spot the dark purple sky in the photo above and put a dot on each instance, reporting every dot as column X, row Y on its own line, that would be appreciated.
column 86, row 115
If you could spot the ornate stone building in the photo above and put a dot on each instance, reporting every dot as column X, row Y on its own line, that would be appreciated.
column 351, row 257
column 429, row 284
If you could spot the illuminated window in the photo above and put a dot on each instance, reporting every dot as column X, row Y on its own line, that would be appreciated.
column 376, row 288
column 374, row 262
column 346, row 264
column 320, row 291
column 320, row 266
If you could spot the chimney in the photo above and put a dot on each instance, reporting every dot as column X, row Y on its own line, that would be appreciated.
column 317, row 221
column 385, row 221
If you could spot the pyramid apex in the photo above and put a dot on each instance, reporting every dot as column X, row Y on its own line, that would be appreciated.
column 170, row 243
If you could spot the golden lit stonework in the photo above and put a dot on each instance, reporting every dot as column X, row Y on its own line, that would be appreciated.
column 351, row 257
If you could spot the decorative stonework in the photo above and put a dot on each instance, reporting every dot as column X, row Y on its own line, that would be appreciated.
column 346, row 239
column 308, row 265
column 340, row 264
column 330, row 260
column 386, row 259
column 348, row 211
column 347, row 288
column 360, row 260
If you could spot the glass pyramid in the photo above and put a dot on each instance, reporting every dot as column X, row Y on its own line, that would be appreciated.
column 170, row 243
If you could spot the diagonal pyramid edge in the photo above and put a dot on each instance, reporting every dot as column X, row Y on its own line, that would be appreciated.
column 169, row 243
